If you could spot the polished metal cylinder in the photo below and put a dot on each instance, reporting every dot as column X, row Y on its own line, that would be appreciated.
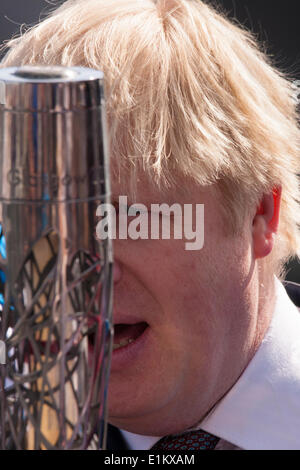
column 56, row 276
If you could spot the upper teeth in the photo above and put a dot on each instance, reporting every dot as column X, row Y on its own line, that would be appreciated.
column 122, row 343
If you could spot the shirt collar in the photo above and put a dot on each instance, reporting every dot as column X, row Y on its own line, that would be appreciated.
column 138, row 442
column 262, row 410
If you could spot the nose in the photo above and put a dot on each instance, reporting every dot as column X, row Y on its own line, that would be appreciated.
column 117, row 271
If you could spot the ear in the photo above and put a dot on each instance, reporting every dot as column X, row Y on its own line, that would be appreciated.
column 265, row 223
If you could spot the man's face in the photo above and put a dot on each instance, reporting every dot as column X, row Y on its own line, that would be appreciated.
column 191, row 317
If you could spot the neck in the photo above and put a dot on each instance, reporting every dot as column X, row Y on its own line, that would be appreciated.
column 265, row 289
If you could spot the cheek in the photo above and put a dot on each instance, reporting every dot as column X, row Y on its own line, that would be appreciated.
column 203, row 291
column 187, row 300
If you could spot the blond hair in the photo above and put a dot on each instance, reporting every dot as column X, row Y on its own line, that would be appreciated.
column 188, row 93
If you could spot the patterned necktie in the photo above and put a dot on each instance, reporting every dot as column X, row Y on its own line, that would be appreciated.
column 192, row 440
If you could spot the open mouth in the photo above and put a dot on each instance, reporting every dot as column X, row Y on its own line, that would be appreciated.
column 125, row 334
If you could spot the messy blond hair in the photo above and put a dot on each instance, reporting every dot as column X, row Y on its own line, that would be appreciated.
column 188, row 93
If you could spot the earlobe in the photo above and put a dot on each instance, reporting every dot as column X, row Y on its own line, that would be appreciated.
column 265, row 223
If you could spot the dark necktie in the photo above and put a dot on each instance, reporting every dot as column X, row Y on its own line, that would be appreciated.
column 192, row 440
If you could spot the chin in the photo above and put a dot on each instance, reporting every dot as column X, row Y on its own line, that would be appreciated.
column 145, row 417
column 152, row 425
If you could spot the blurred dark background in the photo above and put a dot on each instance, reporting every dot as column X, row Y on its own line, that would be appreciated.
column 275, row 23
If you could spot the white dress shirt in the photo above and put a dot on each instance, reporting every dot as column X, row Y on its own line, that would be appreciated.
column 262, row 410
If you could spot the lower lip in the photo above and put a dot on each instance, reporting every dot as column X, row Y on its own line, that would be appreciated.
column 132, row 352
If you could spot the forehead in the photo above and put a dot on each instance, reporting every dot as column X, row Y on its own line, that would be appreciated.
column 141, row 187
column 139, row 191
